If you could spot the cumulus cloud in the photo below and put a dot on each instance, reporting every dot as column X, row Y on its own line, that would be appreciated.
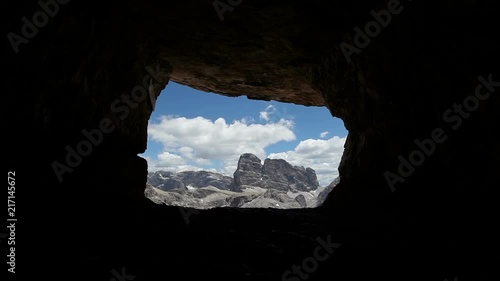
column 266, row 113
column 175, row 163
column 322, row 155
column 247, row 120
column 196, row 142
column 272, row 114
column 216, row 145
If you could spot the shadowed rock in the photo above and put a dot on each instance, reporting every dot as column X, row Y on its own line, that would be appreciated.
column 301, row 200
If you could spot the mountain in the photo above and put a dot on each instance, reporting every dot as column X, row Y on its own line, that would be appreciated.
column 167, row 181
column 273, row 184
column 275, row 173
column 324, row 193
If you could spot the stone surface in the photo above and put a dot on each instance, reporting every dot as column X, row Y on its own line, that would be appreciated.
column 248, row 171
column 274, row 173
column 327, row 190
column 301, row 200
column 166, row 181
column 277, row 195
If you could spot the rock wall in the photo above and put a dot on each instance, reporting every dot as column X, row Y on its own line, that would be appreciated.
column 274, row 173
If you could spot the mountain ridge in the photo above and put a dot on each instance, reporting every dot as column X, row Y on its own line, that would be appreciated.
column 272, row 183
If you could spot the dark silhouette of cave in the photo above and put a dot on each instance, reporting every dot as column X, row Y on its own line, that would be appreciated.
column 415, row 83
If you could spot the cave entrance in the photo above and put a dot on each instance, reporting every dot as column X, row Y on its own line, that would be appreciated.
column 207, row 150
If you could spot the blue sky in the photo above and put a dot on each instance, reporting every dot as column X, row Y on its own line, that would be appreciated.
column 195, row 130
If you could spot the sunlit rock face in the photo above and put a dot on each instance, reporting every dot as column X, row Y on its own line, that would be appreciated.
column 83, row 83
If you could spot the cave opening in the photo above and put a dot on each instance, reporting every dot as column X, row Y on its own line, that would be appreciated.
column 206, row 150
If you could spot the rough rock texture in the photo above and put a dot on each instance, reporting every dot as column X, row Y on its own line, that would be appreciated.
column 237, row 202
column 77, row 74
column 209, row 197
column 301, row 200
column 280, row 172
column 262, row 186
column 205, row 178
column 274, row 173
column 165, row 180
column 327, row 190
column 277, row 195
column 248, row 171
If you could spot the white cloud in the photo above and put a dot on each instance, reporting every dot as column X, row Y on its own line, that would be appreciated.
column 196, row 142
column 266, row 113
column 171, row 162
column 247, row 120
column 171, row 159
column 186, row 152
column 271, row 114
column 203, row 144
column 321, row 155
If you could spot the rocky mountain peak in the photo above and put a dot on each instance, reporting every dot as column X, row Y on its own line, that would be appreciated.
column 274, row 173
column 273, row 183
column 248, row 171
